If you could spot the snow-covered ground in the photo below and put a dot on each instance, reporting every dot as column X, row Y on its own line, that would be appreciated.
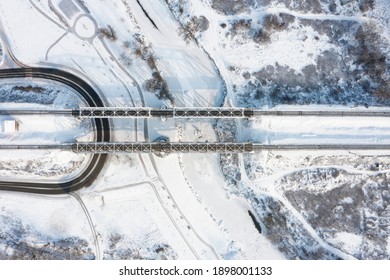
column 297, row 53
column 39, row 226
column 317, row 130
column 42, row 165
column 197, row 206
column 1, row 53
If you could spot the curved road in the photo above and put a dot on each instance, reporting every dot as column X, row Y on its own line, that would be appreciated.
column 102, row 131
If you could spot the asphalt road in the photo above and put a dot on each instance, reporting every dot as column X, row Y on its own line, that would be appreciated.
column 102, row 128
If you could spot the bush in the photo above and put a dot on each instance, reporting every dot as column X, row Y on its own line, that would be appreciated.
column 159, row 86
column 127, row 45
column 151, row 62
column 108, row 33
column 240, row 25
column 261, row 36
column 156, row 84
column 125, row 60
column 271, row 23
column 186, row 34
column 201, row 23
column 141, row 48
column 193, row 26
column 371, row 57
column 383, row 91
column 366, row 5
column 369, row 53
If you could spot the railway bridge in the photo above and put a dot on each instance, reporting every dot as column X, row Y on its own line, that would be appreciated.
column 179, row 147
column 106, row 147
column 196, row 112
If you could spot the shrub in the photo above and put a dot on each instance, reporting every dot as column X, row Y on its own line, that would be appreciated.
column 127, row 44
column 366, row 5
column 369, row 53
column 186, row 34
column 108, row 33
column 151, row 62
column 159, row 86
column 240, row 25
column 383, row 91
column 125, row 60
column 261, row 36
column 200, row 23
column 273, row 22
column 193, row 26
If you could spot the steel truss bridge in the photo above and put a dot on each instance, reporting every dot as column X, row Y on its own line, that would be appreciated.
column 245, row 147
column 168, row 113
column 213, row 112
column 200, row 112
column 166, row 148
column 163, row 147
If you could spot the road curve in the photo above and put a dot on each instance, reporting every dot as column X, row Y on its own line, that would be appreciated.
column 102, row 127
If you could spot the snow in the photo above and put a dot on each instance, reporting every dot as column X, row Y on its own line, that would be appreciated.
column 348, row 242
column 183, row 201
column 188, row 71
column 55, row 217
column 30, row 41
column 1, row 53
column 10, row 126
column 57, row 129
column 347, row 200
column 94, row 59
column 53, row 166
column 85, row 27
column 317, row 130
column 388, row 245
column 207, row 183
column 296, row 48
column 116, row 178
column 136, row 213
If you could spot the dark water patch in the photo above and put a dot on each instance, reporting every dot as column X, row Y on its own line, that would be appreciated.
column 147, row 15
column 254, row 220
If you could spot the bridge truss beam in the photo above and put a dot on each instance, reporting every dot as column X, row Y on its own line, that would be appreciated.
column 157, row 147
column 114, row 112
column 128, row 147
column 145, row 112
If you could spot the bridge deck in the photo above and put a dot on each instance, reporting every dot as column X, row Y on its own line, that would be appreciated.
column 207, row 112
column 144, row 112
column 156, row 147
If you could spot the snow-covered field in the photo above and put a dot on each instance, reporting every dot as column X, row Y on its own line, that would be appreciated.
column 41, row 165
column 315, row 130
column 44, row 228
column 280, row 54
column 201, row 53
column 1, row 54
